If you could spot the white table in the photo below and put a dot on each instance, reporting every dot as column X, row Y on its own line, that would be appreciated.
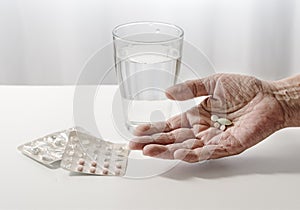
column 264, row 177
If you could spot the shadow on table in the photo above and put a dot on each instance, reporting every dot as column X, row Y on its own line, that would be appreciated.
column 237, row 166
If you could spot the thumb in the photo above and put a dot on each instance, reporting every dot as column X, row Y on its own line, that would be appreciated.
column 191, row 89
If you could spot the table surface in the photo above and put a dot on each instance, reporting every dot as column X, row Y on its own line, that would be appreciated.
column 266, row 176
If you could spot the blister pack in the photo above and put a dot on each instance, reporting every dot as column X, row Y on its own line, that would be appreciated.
column 47, row 149
column 90, row 155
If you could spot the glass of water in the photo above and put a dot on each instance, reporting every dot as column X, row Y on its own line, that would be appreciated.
column 147, row 61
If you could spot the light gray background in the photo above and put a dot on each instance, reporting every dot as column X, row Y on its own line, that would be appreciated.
column 49, row 41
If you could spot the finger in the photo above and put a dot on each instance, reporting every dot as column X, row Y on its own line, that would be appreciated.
column 197, row 115
column 156, row 150
column 178, row 135
column 139, row 142
column 167, row 151
column 198, row 128
column 192, row 88
column 200, row 154
column 178, row 121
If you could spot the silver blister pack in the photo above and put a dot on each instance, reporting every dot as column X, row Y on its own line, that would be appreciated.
column 47, row 149
column 90, row 155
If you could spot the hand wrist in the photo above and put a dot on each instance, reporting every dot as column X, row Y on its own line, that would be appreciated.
column 287, row 93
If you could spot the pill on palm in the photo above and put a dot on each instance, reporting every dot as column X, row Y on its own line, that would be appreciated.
column 223, row 127
column 214, row 118
column 217, row 125
column 224, row 121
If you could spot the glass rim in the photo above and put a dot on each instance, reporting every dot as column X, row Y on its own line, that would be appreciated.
column 181, row 32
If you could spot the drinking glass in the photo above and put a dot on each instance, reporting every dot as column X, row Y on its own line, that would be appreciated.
column 147, row 61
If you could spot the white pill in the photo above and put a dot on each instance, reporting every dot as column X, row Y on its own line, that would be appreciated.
column 217, row 125
column 214, row 118
column 224, row 121
column 223, row 127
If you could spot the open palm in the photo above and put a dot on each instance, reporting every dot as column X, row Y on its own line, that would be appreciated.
column 190, row 136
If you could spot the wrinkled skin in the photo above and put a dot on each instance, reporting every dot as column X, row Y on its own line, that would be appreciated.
column 248, row 102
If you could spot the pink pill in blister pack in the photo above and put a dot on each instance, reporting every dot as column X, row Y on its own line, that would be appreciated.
column 87, row 154
column 78, row 152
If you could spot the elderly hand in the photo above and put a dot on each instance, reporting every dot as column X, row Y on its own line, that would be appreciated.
column 249, row 103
